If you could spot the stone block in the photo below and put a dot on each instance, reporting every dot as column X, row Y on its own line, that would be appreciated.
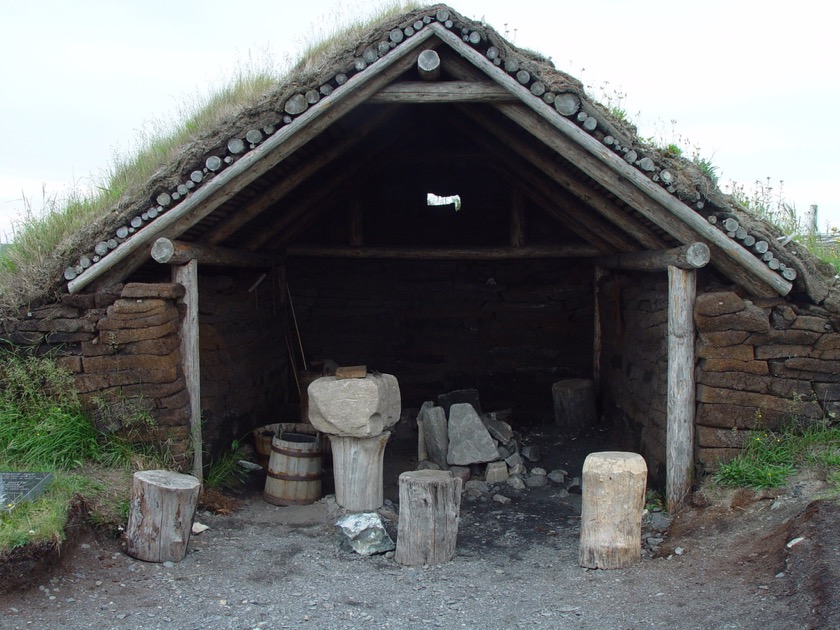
column 724, row 338
column 460, row 471
column 808, row 322
column 357, row 407
column 469, row 440
column 459, row 396
column 364, row 533
column 751, row 319
column 497, row 472
column 499, row 429
column 435, row 433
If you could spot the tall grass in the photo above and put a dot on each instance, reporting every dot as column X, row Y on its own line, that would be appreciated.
column 770, row 457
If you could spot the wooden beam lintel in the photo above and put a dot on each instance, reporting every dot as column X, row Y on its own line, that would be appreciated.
column 692, row 256
column 452, row 253
column 166, row 251
column 443, row 92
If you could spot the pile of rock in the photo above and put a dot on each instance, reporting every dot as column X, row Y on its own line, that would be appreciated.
column 481, row 448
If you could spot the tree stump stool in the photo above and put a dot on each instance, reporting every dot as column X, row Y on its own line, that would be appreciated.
column 611, row 513
column 357, row 467
column 430, row 506
column 574, row 403
column 161, row 515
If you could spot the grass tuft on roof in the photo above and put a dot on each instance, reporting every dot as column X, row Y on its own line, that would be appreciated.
column 47, row 238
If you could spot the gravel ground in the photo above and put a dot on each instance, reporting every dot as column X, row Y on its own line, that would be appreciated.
column 516, row 567
column 271, row 567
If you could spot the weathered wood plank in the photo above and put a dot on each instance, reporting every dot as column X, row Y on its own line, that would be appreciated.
column 187, row 276
column 682, row 289
column 443, row 92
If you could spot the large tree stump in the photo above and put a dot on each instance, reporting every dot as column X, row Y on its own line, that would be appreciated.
column 574, row 403
column 611, row 513
column 430, row 506
column 357, row 467
column 162, row 508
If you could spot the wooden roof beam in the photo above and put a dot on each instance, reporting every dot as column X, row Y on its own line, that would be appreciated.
column 443, row 92
column 444, row 253
column 167, row 251
column 556, row 201
column 621, row 178
column 131, row 254
column 292, row 180
column 598, row 201
column 693, row 256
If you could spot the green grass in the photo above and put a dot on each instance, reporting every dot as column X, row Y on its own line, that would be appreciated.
column 770, row 458
column 225, row 471
column 44, row 428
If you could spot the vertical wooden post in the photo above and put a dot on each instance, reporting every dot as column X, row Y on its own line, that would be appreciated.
column 597, row 341
column 517, row 221
column 682, row 289
column 187, row 275
column 356, row 226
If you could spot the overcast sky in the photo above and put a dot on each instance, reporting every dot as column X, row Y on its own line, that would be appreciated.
column 753, row 84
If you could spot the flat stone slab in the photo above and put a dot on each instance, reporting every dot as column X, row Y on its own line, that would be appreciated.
column 354, row 407
column 469, row 440
column 435, row 433
column 17, row 487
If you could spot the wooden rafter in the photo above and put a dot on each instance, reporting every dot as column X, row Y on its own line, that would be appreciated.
column 622, row 179
column 294, row 179
column 598, row 201
column 262, row 159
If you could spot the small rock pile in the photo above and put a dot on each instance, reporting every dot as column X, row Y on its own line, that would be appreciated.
column 482, row 449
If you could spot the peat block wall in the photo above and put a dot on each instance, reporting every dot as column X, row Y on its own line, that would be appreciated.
column 634, row 362
column 508, row 328
column 122, row 346
column 761, row 363
column 244, row 359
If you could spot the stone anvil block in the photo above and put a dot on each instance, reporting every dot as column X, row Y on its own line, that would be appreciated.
column 354, row 407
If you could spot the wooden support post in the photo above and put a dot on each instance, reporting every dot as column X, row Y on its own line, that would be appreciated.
column 356, row 226
column 357, row 466
column 161, row 514
column 517, row 221
column 187, row 276
column 597, row 342
column 682, row 288
column 430, row 505
column 611, row 511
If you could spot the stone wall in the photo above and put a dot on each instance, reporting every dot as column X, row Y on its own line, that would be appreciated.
column 123, row 348
column 761, row 363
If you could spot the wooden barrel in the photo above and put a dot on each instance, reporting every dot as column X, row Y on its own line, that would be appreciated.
column 264, row 435
column 294, row 470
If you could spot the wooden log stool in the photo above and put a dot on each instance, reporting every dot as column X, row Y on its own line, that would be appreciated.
column 161, row 515
column 357, row 467
column 611, row 513
column 430, row 506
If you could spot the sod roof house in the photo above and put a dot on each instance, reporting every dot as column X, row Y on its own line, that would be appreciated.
column 301, row 230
